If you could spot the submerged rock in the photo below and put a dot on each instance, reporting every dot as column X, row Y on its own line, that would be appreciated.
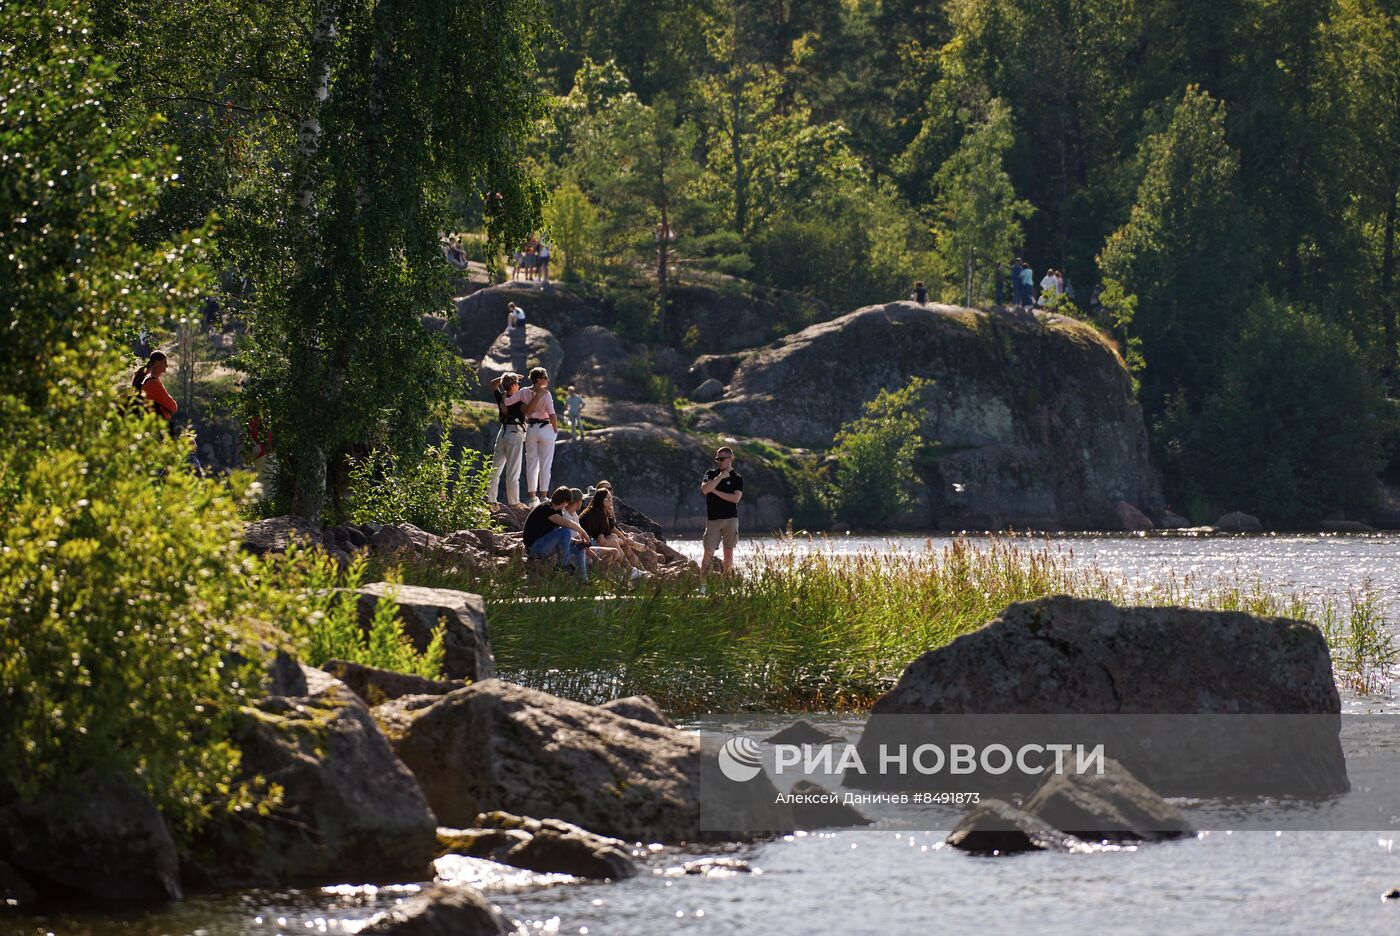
column 549, row 846
column 441, row 910
column 802, row 732
column 350, row 809
column 816, row 807
column 996, row 826
column 1238, row 521
column 497, row 746
column 108, row 845
column 466, row 643
column 1113, row 806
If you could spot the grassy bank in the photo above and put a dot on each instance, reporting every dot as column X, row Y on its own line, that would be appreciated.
column 821, row 633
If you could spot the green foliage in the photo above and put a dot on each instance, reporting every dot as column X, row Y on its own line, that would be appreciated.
column 574, row 226
column 1292, row 429
column 435, row 491
column 1185, row 252
column 979, row 215
column 336, row 142
column 650, row 386
column 120, row 572
column 317, row 597
column 873, row 480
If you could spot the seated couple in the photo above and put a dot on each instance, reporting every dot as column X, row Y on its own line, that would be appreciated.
column 557, row 528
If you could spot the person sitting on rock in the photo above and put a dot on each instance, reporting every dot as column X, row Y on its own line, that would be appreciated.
column 599, row 522
column 550, row 532
column 515, row 316
column 605, row 556
column 921, row 293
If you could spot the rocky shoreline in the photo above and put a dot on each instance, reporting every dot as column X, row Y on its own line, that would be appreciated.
column 380, row 774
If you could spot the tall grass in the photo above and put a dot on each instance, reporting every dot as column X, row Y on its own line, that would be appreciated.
column 809, row 631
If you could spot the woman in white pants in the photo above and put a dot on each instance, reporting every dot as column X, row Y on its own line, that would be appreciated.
column 541, row 429
column 510, row 441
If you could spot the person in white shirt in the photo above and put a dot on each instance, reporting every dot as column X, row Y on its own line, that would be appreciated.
column 541, row 431
column 1047, row 287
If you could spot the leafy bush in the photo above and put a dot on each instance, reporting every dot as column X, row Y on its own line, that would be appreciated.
column 875, row 458
column 317, row 598
column 574, row 224
column 651, row 387
column 1290, row 430
column 435, row 492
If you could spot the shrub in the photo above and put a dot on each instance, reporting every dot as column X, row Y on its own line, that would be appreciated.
column 120, row 579
column 436, row 492
column 875, row 458
column 317, row 598
column 1290, row 430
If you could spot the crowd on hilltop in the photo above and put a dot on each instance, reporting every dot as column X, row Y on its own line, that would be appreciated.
column 1019, row 285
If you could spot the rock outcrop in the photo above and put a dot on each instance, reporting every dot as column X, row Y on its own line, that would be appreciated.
column 1267, row 681
column 461, row 615
column 110, row 845
column 595, row 361
column 350, row 809
column 1035, row 422
column 481, row 317
column 520, row 350
column 497, row 746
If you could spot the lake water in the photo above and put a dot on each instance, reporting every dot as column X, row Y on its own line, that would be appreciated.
column 876, row 882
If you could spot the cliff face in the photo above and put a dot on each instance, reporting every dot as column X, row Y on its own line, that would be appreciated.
column 1035, row 417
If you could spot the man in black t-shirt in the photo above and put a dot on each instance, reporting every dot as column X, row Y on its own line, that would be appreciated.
column 550, row 532
column 723, row 488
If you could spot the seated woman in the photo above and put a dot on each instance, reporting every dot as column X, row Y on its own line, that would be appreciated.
column 602, row 553
column 600, row 523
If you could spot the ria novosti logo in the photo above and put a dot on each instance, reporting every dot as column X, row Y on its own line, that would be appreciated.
column 741, row 759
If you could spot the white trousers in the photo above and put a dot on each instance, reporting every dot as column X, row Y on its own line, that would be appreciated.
column 539, row 457
column 505, row 463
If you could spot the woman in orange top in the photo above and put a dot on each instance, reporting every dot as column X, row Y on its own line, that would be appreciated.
column 146, row 381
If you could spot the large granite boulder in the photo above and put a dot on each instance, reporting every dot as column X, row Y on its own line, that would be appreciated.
column 658, row 472
column 519, row 351
column 1193, row 702
column 466, row 643
column 595, row 361
column 481, row 317
column 498, row 746
column 110, row 844
column 441, row 910
column 350, row 810
column 1036, row 422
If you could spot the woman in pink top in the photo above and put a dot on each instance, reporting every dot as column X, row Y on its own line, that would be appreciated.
column 541, row 431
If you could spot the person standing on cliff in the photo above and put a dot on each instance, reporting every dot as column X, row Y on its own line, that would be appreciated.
column 723, row 488
column 921, row 293
column 541, row 432
column 510, row 439
column 575, row 409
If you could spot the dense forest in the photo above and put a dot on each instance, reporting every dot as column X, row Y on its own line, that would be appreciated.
column 1217, row 183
